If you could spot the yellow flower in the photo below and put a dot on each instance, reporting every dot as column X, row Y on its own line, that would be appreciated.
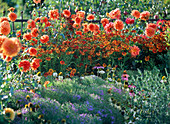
column 27, row 97
column 107, row 14
column 63, row 120
column 60, row 73
column 30, row 104
column 9, row 113
column 40, row 116
column 26, row 106
column 39, row 73
column 118, row 80
column 163, row 77
column 109, row 65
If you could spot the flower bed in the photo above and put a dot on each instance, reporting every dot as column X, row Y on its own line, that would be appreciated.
column 46, row 77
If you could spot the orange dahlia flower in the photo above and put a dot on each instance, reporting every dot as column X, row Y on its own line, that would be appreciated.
column 8, row 59
column 2, row 39
column 90, row 17
column 37, row 1
column 11, row 9
column 27, row 36
column 136, row 14
column 5, row 28
column 10, row 47
column 134, row 50
column 152, row 25
column 78, row 20
column 118, row 25
column 44, row 20
column 115, row 14
column 53, row 14
column 150, row 32
column 91, row 27
column 31, row 24
column 25, row 64
column 80, row 14
column 32, row 51
column 18, row 33
column 144, row 15
column 104, row 21
column 35, row 64
column 34, row 32
column 76, row 25
column 66, row 13
column 44, row 39
column 17, row 41
column 12, row 16
column 3, row 19
column 78, row 33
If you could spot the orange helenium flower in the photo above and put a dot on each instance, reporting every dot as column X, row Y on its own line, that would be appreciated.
column 5, row 28
column 147, row 58
column 66, row 13
column 44, row 39
column 118, row 25
column 12, row 16
column 10, row 47
column 62, row 62
column 135, row 13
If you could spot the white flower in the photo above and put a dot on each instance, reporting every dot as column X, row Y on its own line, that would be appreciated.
column 82, row 78
column 110, row 79
column 4, row 97
column 162, row 81
column 39, row 85
column 135, row 100
column 55, row 74
column 60, row 77
column 101, row 72
column 127, row 89
column 118, row 107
